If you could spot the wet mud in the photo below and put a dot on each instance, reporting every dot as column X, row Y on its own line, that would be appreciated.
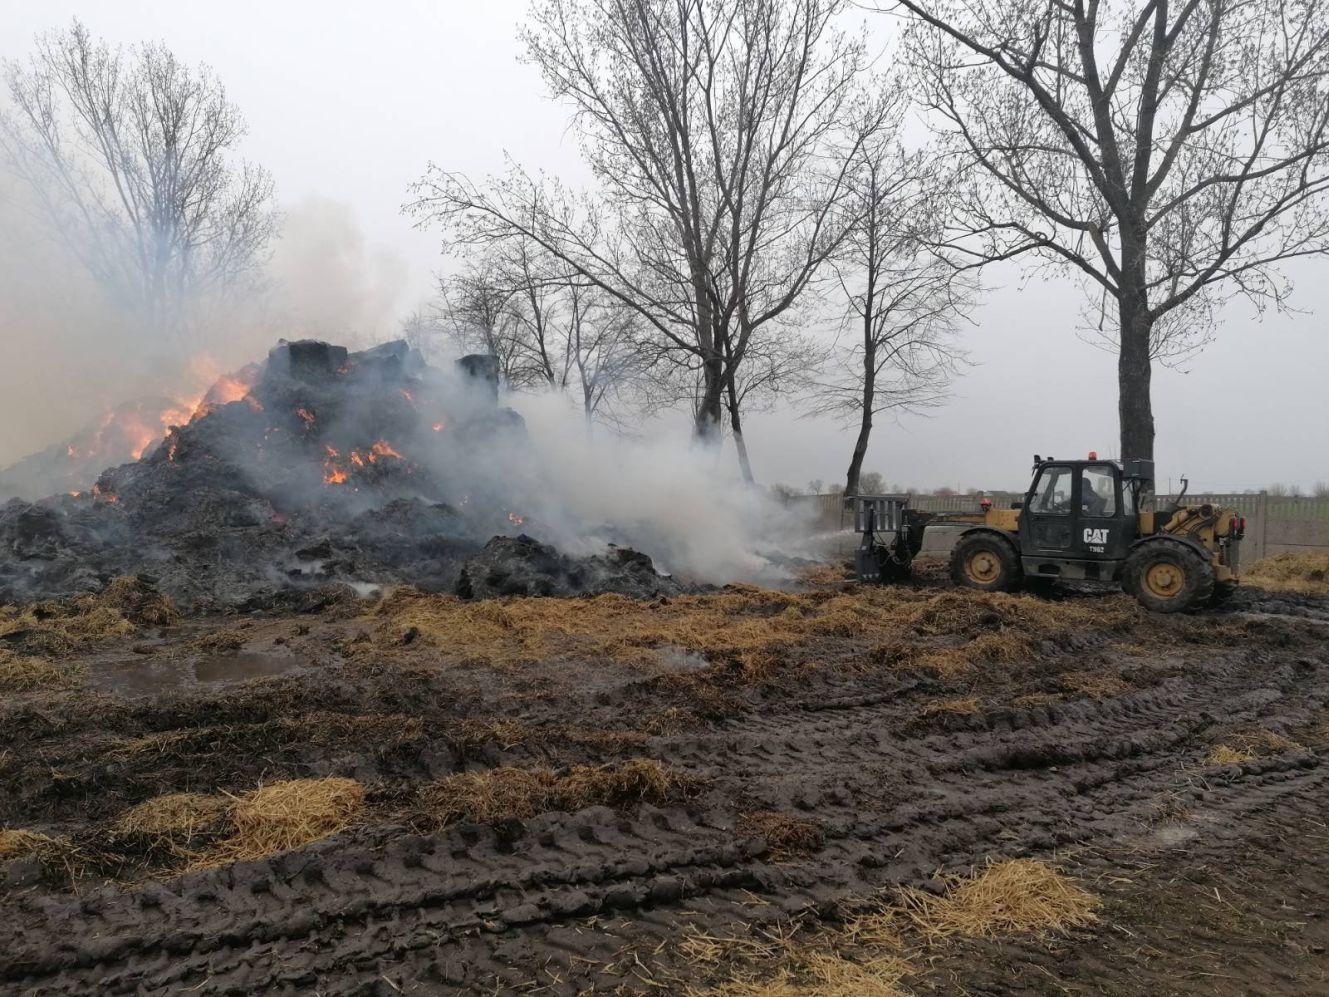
column 1097, row 756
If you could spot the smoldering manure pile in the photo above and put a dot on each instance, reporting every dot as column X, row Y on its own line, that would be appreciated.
column 316, row 471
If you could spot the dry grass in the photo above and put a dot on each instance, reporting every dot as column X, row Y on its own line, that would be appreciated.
column 225, row 641
column 780, row 963
column 60, row 626
column 868, row 954
column 512, row 793
column 949, row 707
column 16, row 843
column 1248, row 745
column 822, row 974
column 285, row 815
column 172, row 817
column 1224, row 755
column 59, row 857
column 20, row 674
column 1015, row 895
column 1306, row 573
column 787, row 837
column 825, row 574
column 753, row 628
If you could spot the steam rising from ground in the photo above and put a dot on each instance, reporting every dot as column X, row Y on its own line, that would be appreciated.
column 672, row 499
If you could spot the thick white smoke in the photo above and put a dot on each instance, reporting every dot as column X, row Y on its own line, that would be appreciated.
column 678, row 502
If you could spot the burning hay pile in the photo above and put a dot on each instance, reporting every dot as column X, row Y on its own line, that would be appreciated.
column 318, row 467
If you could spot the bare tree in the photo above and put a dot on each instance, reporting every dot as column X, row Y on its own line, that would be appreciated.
column 709, row 126
column 603, row 359
column 1172, row 153
column 548, row 329
column 774, row 366
column 129, row 156
column 479, row 311
column 903, row 298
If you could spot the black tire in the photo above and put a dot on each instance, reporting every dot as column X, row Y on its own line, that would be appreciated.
column 1223, row 593
column 1167, row 576
column 987, row 562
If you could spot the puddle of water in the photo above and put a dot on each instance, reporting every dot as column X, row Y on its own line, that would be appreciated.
column 148, row 677
column 245, row 665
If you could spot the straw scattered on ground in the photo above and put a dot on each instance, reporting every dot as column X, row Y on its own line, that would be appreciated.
column 949, row 707
column 1305, row 573
column 750, row 627
column 790, row 962
column 59, row 626
column 787, row 837
column 26, row 674
column 289, row 814
column 1004, row 897
column 1249, row 744
column 60, row 858
column 822, row 974
column 16, row 843
column 515, row 793
column 1225, row 755
column 172, row 821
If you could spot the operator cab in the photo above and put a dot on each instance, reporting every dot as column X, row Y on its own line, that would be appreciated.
column 1079, row 517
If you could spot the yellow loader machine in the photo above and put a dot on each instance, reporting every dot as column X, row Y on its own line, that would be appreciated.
column 1080, row 520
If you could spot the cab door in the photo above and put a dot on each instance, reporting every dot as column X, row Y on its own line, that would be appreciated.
column 1104, row 526
column 1047, row 522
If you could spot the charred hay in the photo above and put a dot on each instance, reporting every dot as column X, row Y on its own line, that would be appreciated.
column 320, row 470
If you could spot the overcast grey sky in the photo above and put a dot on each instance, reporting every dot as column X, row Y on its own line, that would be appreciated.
column 348, row 102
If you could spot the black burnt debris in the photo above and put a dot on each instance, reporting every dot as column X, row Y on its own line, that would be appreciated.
column 319, row 467
column 522, row 565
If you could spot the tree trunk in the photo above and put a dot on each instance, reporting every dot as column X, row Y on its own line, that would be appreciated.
column 707, row 425
column 869, row 399
column 736, row 426
column 1134, row 370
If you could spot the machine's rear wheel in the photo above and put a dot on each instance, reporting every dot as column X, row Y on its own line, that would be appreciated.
column 986, row 562
column 1168, row 577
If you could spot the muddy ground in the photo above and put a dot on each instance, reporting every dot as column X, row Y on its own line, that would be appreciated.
column 808, row 755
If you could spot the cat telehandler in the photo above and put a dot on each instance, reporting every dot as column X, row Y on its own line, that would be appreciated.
column 1080, row 520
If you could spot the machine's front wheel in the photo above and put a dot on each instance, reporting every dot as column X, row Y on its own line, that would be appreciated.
column 1168, row 577
column 986, row 562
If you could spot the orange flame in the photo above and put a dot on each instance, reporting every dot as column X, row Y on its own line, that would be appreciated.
column 334, row 475
column 516, row 520
column 306, row 416
column 437, row 427
column 384, row 449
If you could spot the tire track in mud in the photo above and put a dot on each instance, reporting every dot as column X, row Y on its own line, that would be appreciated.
column 383, row 909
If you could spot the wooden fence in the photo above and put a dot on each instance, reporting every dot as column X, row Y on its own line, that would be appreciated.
column 1274, row 523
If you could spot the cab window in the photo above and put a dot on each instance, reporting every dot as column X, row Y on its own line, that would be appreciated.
column 1127, row 499
column 1098, row 492
column 1052, row 494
